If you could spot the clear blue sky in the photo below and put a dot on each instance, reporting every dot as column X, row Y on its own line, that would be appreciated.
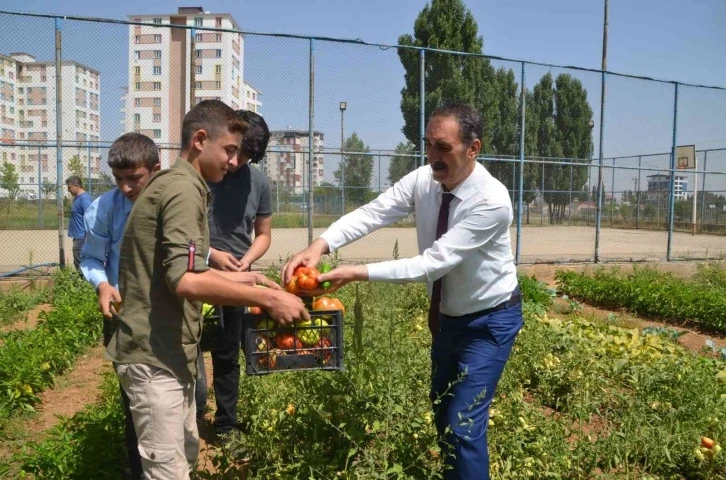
column 674, row 40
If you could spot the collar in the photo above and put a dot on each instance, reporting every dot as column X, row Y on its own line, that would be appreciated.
column 186, row 167
column 470, row 184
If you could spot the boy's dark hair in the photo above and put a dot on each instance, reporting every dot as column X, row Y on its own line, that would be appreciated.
column 257, row 136
column 211, row 116
column 75, row 180
column 133, row 150
column 470, row 123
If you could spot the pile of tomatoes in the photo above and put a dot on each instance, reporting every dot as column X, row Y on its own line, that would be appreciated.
column 310, row 337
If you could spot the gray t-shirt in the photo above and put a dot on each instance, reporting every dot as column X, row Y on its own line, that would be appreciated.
column 237, row 200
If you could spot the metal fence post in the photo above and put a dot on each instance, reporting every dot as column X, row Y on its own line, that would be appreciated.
column 598, row 213
column 637, row 194
column 612, row 193
column 569, row 205
column 671, row 194
column 90, row 185
column 311, row 134
column 192, row 67
column 58, row 142
column 520, row 193
column 40, row 193
column 379, row 174
column 422, row 106
column 703, row 189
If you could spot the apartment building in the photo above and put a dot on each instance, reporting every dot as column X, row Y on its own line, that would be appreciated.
column 169, row 70
column 659, row 186
column 28, row 116
column 286, row 162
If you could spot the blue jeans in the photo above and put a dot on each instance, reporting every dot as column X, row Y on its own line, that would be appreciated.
column 468, row 356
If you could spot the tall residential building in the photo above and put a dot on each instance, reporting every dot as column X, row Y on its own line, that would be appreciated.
column 286, row 161
column 659, row 185
column 163, row 70
column 28, row 117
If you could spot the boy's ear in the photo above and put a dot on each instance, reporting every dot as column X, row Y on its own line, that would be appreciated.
column 198, row 139
column 156, row 168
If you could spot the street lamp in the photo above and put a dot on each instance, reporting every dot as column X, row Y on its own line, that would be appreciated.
column 343, row 106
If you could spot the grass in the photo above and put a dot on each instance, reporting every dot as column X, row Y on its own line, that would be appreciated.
column 16, row 302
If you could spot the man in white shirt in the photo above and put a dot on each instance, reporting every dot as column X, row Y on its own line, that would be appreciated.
column 463, row 216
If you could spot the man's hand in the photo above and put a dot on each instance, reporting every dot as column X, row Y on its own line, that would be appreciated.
column 224, row 261
column 340, row 277
column 310, row 257
column 287, row 309
column 249, row 278
column 106, row 295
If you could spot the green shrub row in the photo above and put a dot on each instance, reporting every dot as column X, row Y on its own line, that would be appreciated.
column 649, row 293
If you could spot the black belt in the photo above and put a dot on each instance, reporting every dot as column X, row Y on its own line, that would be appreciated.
column 513, row 301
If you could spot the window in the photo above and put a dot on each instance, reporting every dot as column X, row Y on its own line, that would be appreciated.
column 32, row 179
column 157, row 133
column 198, row 37
column 157, row 101
column 218, row 53
column 217, row 85
column 157, row 53
column 12, row 110
column 218, row 37
column 157, row 38
column 218, row 22
column 137, row 117
column 157, row 21
column 197, row 100
column 44, row 123
column 199, row 69
column 198, row 21
column 20, row 90
column 30, row 90
column 157, row 70
column 198, row 85
column 137, row 56
column 199, row 53
column 137, row 102
column 137, row 86
column 137, row 70
column 157, row 85
column 137, row 39
column 43, row 78
column 157, row 117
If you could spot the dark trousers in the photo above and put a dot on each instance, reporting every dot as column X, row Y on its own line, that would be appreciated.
column 77, row 246
column 467, row 359
column 225, row 372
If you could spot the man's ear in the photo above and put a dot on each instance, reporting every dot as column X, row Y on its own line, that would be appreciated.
column 475, row 148
column 156, row 168
column 198, row 139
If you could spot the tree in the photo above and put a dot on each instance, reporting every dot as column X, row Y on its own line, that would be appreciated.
column 402, row 163
column 104, row 183
column 9, row 181
column 75, row 167
column 504, row 140
column 48, row 189
column 446, row 24
column 358, row 171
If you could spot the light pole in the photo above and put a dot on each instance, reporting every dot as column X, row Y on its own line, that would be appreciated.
column 343, row 106
column 590, row 124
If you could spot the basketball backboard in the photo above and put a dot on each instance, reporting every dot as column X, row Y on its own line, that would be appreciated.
column 686, row 157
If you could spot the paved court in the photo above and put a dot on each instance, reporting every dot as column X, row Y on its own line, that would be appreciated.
column 539, row 244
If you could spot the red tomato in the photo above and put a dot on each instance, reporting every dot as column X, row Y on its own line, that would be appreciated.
column 287, row 341
column 337, row 305
column 292, row 287
column 256, row 311
column 323, row 344
column 307, row 278
column 322, row 304
column 269, row 359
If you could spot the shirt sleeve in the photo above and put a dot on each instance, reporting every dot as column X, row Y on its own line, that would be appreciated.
column 265, row 207
column 479, row 227
column 182, row 211
column 94, row 253
column 394, row 204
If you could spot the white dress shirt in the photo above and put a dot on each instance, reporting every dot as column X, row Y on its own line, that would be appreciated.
column 475, row 254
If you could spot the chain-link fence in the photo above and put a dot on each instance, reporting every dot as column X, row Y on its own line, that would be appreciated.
column 586, row 184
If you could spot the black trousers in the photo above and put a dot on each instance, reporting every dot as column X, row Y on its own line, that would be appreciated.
column 226, row 372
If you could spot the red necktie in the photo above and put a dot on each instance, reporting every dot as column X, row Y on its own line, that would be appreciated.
column 441, row 227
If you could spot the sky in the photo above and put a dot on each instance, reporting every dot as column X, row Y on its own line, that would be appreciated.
column 665, row 39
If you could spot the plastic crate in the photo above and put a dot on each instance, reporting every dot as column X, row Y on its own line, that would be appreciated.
column 213, row 330
column 314, row 347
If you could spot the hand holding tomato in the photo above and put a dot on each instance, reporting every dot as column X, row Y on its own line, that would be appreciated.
column 303, row 279
column 339, row 277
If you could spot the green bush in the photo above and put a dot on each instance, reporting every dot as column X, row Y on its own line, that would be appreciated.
column 647, row 292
